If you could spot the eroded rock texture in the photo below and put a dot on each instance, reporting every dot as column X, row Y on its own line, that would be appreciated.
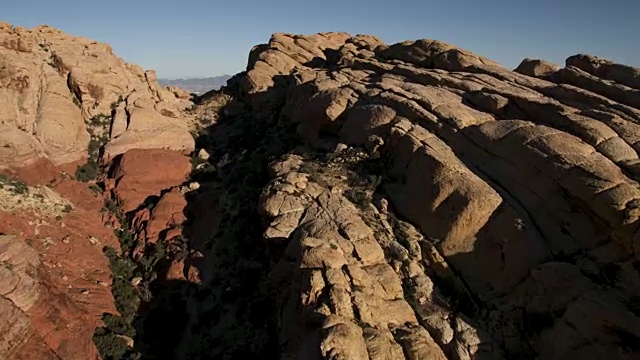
column 517, row 193
column 52, row 84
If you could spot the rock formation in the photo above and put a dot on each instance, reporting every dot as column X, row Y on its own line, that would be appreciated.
column 64, row 99
column 345, row 199
column 52, row 83
column 518, row 192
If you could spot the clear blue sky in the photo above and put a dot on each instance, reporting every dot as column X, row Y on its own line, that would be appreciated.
column 182, row 38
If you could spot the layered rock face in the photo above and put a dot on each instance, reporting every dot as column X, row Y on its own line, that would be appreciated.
column 52, row 84
column 518, row 192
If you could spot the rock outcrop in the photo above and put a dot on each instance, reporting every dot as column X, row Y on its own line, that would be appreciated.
column 64, row 99
column 139, row 174
column 52, row 84
column 536, row 68
column 523, row 185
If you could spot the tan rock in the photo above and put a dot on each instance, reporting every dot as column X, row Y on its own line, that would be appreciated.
column 52, row 83
column 499, row 172
column 536, row 68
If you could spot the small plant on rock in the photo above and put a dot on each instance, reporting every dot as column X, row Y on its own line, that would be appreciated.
column 97, row 127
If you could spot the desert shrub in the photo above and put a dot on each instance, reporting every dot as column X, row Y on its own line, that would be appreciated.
column 88, row 172
column 118, row 324
column 97, row 127
column 113, row 347
column 358, row 197
column 126, row 238
column 16, row 186
column 95, row 188
column 76, row 101
column 127, row 296
column 115, row 104
column 109, row 339
column 100, row 120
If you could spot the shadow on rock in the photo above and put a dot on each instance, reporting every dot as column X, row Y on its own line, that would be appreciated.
column 222, row 308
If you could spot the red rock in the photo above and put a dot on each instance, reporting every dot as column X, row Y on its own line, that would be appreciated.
column 176, row 271
column 167, row 214
column 41, row 172
column 109, row 184
column 183, row 270
column 143, row 173
column 70, row 265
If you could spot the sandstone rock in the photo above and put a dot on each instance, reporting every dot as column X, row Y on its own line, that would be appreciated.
column 536, row 67
column 52, row 83
column 507, row 202
column 18, row 262
column 499, row 171
column 143, row 173
column 606, row 69
column 179, row 92
column 203, row 155
column 335, row 252
column 19, row 340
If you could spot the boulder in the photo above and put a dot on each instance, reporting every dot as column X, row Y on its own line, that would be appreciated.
column 536, row 68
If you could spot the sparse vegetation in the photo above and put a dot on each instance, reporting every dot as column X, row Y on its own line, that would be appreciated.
column 98, row 128
column 14, row 185
column 95, row 188
column 109, row 339
column 354, row 168
column 113, row 346
column 195, row 160
column 359, row 197
column 131, row 278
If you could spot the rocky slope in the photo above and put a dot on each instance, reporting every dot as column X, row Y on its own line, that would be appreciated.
column 441, row 206
column 346, row 199
column 72, row 115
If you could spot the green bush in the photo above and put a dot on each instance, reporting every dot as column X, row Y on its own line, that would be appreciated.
column 112, row 346
column 127, row 297
column 108, row 339
column 118, row 324
column 88, row 172
column 91, row 170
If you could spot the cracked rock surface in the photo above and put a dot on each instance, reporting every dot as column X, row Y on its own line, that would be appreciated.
column 52, row 84
column 515, row 191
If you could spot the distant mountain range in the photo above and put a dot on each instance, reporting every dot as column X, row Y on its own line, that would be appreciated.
column 197, row 85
